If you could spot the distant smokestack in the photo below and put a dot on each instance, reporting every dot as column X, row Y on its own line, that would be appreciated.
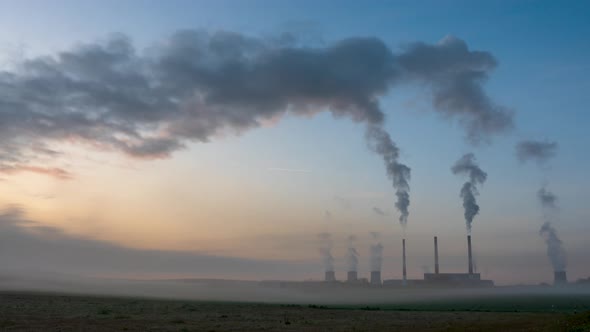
column 352, row 276
column 404, row 259
column 330, row 276
column 375, row 277
column 435, row 255
column 470, row 258
column 560, row 278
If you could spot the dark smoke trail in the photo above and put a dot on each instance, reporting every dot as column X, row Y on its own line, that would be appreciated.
column 555, row 250
column 376, row 252
column 380, row 142
column 547, row 199
column 468, row 165
column 352, row 254
column 196, row 85
column 326, row 251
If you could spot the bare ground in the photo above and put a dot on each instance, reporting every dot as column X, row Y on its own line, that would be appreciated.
column 50, row 312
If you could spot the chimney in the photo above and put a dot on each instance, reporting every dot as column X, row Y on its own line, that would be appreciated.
column 435, row 255
column 469, row 254
column 352, row 276
column 330, row 276
column 560, row 278
column 404, row 261
column 376, row 278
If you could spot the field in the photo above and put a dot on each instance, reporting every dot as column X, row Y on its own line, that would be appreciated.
column 27, row 311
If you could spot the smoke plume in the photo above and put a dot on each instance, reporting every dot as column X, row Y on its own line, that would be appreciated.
column 376, row 252
column 352, row 254
column 537, row 151
column 467, row 165
column 380, row 142
column 555, row 250
column 547, row 199
column 197, row 85
column 326, row 251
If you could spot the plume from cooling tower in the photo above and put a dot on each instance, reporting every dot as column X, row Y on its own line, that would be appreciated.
column 376, row 252
column 467, row 165
column 326, row 251
column 352, row 254
column 555, row 250
column 542, row 152
column 380, row 142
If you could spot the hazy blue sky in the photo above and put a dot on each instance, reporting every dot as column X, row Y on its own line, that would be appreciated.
column 264, row 193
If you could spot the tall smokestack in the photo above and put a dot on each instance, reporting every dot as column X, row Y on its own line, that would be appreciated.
column 404, row 261
column 435, row 255
column 469, row 254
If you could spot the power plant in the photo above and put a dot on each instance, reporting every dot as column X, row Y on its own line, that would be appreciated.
column 436, row 279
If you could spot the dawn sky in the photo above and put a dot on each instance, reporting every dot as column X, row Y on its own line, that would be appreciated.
column 257, row 170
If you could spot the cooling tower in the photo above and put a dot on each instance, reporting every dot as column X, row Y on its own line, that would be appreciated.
column 330, row 276
column 375, row 277
column 560, row 278
column 352, row 276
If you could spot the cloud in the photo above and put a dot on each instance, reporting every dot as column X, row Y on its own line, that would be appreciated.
column 456, row 75
column 195, row 85
column 55, row 172
column 538, row 151
column 28, row 245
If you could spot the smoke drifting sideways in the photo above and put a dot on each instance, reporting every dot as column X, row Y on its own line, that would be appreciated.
column 538, row 151
column 197, row 85
column 467, row 165
column 376, row 252
column 326, row 251
column 352, row 254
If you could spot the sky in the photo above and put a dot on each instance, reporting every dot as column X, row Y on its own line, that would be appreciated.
column 157, row 141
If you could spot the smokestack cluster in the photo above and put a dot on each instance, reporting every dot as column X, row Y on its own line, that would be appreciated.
column 467, row 165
